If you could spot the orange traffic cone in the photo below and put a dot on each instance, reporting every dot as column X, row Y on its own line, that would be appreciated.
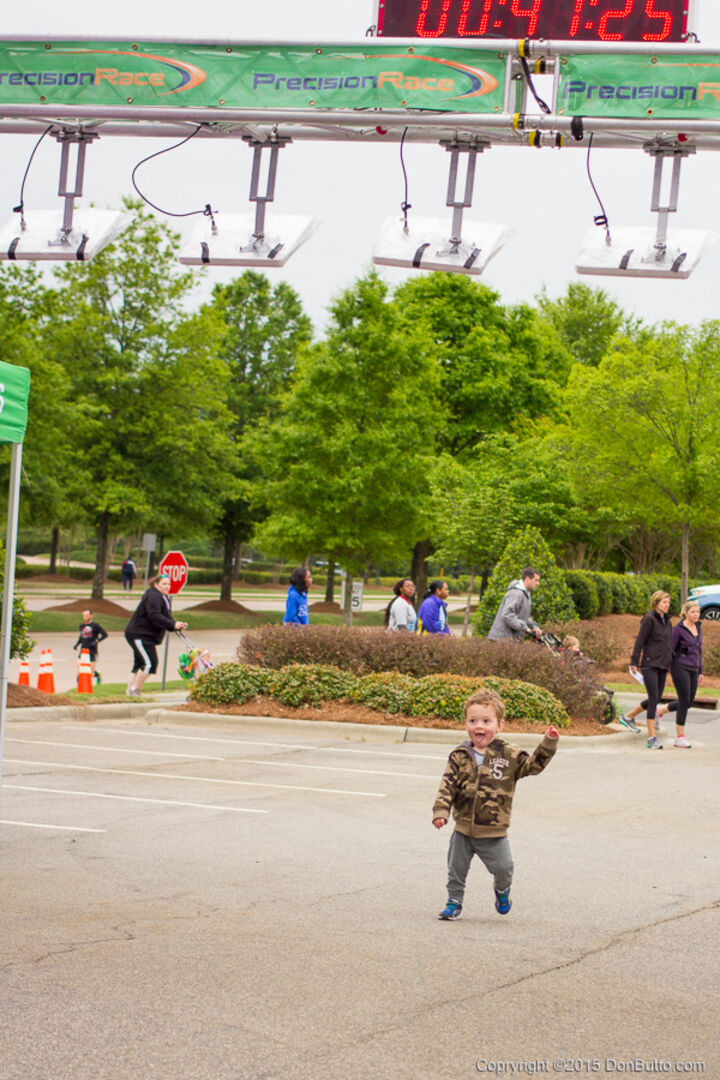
column 49, row 674
column 84, row 682
column 43, row 683
column 24, row 676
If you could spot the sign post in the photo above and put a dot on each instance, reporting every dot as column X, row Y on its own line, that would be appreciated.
column 14, row 393
column 175, row 565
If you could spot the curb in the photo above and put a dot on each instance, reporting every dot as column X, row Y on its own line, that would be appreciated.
column 396, row 733
column 82, row 712
column 381, row 732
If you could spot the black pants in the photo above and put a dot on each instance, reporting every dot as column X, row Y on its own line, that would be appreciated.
column 654, row 679
column 686, row 683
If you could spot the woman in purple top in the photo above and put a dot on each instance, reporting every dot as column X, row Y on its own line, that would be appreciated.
column 687, row 668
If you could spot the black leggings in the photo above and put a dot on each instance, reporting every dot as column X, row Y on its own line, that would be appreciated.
column 654, row 679
column 686, row 683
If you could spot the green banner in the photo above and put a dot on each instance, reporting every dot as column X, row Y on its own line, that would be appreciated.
column 249, row 77
column 14, row 394
column 637, row 87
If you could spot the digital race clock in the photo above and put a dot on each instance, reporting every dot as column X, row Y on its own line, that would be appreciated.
column 558, row 20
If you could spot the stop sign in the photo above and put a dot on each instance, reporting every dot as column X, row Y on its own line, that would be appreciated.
column 175, row 565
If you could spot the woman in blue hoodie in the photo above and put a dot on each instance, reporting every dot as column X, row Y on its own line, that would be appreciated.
column 432, row 616
column 296, row 607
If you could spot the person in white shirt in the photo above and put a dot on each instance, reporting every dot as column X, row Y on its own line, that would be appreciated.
column 400, row 613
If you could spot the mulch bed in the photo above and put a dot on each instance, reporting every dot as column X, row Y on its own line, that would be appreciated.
column 231, row 606
column 98, row 607
column 346, row 712
column 25, row 697
column 326, row 607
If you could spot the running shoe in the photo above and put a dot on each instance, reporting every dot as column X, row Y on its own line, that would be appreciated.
column 682, row 740
column 629, row 723
column 503, row 903
column 452, row 910
column 654, row 743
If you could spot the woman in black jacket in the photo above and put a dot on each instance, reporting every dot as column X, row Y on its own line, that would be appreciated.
column 652, row 653
column 146, row 630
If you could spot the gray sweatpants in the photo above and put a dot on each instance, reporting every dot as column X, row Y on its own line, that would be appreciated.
column 493, row 852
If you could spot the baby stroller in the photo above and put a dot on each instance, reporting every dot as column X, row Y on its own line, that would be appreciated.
column 194, row 662
column 567, row 656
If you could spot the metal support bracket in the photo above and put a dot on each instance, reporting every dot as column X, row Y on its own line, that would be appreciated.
column 67, row 139
column 663, row 151
column 456, row 147
column 262, row 198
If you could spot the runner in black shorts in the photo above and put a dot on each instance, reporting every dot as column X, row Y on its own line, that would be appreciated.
column 89, row 637
column 146, row 630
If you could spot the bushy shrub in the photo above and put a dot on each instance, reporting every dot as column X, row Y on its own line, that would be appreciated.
column 443, row 696
column 226, row 684
column 386, row 691
column 438, row 697
column 372, row 650
column 599, row 644
column 552, row 599
column 523, row 701
column 604, row 592
column 309, row 684
column 584, row 593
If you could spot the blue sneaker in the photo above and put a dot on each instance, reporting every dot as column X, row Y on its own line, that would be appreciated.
column 654, row 743
column 503, row 903
column 452, row 910
column 629, row 723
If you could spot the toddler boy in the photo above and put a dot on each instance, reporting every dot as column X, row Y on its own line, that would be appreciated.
column 479, row 784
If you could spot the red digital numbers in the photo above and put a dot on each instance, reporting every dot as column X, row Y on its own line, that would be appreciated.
column 603, row 33
column 530, row 13
column 666, row 17
column 465, row 15
column 570, row 20
column 421, row 29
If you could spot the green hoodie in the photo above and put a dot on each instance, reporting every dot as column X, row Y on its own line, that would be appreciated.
column 481, row 799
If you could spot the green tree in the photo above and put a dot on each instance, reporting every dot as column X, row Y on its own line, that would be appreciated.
column 263, row 328
column 153, row 444
column 642, row 428
column 502, row 367
column 586, row 321
column 552, row 601
column 345, row 465
column 50, row 479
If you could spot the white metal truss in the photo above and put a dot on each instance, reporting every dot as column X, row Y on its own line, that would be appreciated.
column 519, row 123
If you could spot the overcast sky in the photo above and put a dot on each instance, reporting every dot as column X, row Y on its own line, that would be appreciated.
column 544, row 195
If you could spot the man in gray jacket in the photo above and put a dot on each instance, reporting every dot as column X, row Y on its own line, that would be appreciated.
column 513, row 617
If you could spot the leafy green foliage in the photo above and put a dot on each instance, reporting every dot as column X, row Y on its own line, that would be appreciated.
column 584, row 592
column 147, row 385
column 345, row 464
column 501, row 367
column 438, row 697
column 551, row 601
column 585, row 319
column 228, row 683
column 642, row 430
column 376, row 651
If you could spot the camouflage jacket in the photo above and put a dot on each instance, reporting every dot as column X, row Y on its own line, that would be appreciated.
column 481, row 799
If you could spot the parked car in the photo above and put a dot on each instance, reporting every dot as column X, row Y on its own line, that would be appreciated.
column 708, row 597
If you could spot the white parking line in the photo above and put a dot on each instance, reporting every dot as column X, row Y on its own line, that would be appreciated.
column 134, row 798
column 114, row 749
column 282, row 746
column 35, row 825
column 195, row 779
column 238, row 761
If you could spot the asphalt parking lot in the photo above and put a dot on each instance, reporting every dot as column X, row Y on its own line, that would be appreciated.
column 240, row 903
